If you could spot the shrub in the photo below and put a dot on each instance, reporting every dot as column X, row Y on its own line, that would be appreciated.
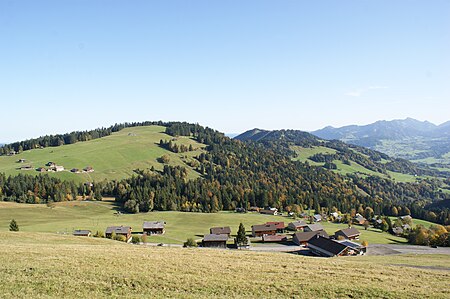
column 13, row 226
column 365, row 243
column 340, row 238
column 135, row 239
column 121, row 238
column 144, row 238
column 190, row 242
column 99, row 234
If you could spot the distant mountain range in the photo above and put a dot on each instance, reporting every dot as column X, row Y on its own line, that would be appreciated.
column 406, row 138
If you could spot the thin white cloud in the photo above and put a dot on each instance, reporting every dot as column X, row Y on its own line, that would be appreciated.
column 362, row 91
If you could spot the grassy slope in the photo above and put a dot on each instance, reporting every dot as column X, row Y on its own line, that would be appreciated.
column 304, row 153
column 43, row 266
column 113, row 157
column 67, row 216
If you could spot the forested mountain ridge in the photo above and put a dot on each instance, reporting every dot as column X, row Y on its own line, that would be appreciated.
column 238, row 174
column 294, row 141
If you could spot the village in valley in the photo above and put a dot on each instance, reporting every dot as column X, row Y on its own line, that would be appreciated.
column 304, row 235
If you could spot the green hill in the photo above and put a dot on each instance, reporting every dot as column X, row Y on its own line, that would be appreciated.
column 113, row 157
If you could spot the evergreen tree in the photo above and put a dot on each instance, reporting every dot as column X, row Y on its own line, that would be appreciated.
column 13, row 226
column 241, row 238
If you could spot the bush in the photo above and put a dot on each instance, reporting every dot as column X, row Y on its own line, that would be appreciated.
column 144, row 238
column 365, row 243
column 190, row 242
column 121, row 238
column 135, row 239
column 99, row 234
column 13, row 226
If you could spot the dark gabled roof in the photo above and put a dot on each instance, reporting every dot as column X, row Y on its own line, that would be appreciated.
column 315, row 227
column 153, row 225
column 349, row 232
column 328, row 245
column 298, row 224
column 264, row 227
column 215, row 238
column 118, row 229
column 306, row 236
column 274, row 238
column 318, row 217
column 278, row 224
column 220, row 230
column 81, row 232
column 271, row 212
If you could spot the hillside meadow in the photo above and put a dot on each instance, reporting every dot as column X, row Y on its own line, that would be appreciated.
column 113, row 157
column 65, row 217
column 42, row 265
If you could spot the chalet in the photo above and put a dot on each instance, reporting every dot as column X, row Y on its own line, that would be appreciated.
column 50, row 164
column 405, row 218
column 119, row 230
column 279, row 225
column 82, row 233
column 302, row 238
column 88, row 169
column 58, row 168
column 253, row 209
column 334, row 214
column 263, row 229
column 41, row 169
column 153, row 227
column 317, row 218
column 240, row 210
column 313, row 227
column 27, row 167
column 406, row 227
column 350, row 233
column 397, row 230
column 321, row 246
column 21, row 161
column 358, row 248
column 269, row 212
column 224, row 230
column 359, row 219
column 215, row 241
column 75, row 170
column 297, row 225
column 273, row 238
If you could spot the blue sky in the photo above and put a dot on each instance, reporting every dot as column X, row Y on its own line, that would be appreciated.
column 230, row 65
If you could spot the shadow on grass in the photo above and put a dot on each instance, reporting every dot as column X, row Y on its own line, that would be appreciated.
column 397, row 241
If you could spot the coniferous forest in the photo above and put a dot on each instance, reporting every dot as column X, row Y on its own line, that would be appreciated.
column 233, row 174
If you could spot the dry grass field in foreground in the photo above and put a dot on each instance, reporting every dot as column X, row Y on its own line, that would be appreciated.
column 40, row 265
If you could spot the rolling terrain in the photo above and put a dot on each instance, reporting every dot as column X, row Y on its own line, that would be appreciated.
column 409, row 139
column 65, row 217
column 113, row 157
column 42, row 265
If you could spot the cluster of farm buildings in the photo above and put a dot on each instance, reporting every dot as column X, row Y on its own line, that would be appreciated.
column 53, row 167
column 311, row 237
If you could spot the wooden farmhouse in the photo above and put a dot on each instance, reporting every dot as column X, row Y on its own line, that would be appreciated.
column 313, row 227
column 273, row 212
column 223, row 230
column 279, row 225
column 302, row 238
column 359, row 219
column 325, row 247
column 82, row 233
column 263, row 229
column 350, row 233
column 297, row 225
column 215, row 241
column 119, row 230
column 317, row 218
column 153, row 227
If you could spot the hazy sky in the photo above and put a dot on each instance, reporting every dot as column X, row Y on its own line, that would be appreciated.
column 230, row 65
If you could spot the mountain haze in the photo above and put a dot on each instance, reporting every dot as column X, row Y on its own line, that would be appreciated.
column 406, row 138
